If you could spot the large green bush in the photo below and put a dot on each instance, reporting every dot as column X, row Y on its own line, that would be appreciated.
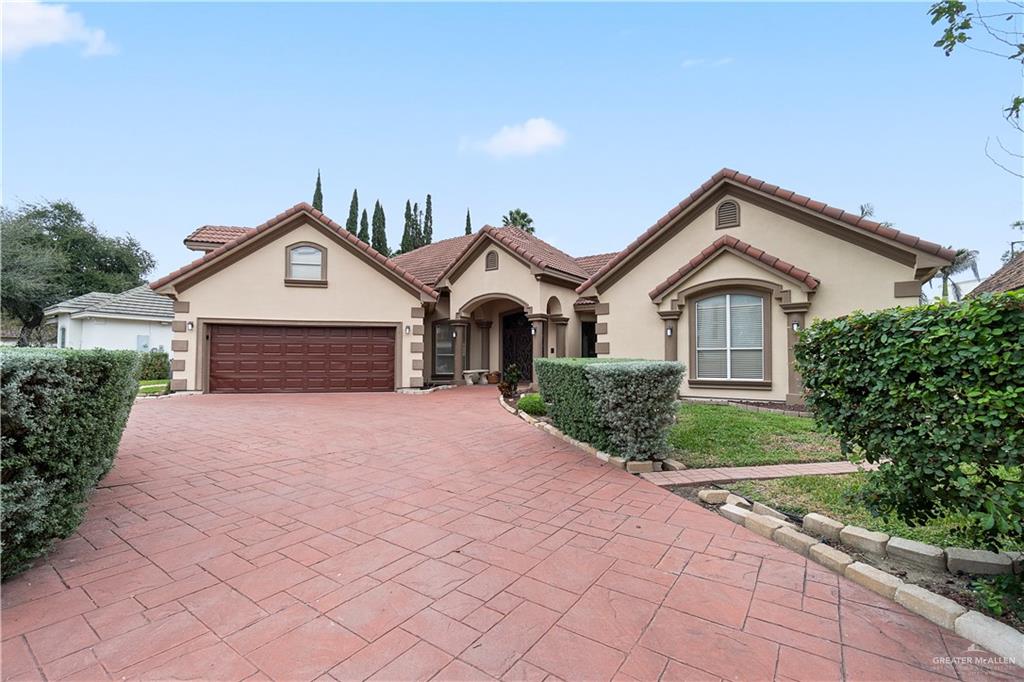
column 154, row 365
column 635, row 403
column 563, row 385
column 63, row 415
column 590, row 401
column 935, row 393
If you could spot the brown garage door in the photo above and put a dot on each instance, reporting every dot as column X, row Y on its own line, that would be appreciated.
column 267, row 359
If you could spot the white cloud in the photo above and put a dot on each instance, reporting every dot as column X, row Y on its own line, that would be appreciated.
column 522, row 139
column 28, row 24
column 721, row 61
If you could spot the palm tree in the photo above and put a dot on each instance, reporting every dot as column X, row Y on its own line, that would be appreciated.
column 964, row 260
column 517, row 217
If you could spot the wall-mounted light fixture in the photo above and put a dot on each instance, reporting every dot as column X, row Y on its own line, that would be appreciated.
column 408, row 329
column 668, row 331
column 190, row 326
column 795, row 326
column 533, row 330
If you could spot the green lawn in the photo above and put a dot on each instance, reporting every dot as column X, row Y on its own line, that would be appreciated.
column 834, row 496
column 723, row 435
column 154, row 386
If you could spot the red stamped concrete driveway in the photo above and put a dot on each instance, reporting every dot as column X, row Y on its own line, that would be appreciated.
column 394, row 537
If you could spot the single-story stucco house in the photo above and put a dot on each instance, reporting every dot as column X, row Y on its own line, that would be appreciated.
column 137, row 319
column 723, row 282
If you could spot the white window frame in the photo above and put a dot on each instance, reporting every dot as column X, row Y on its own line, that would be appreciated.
column 290, row 276
column 728, row 339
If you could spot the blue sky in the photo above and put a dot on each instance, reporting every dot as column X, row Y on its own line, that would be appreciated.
column 179, row 115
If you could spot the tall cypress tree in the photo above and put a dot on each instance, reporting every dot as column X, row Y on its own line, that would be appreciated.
column 353, row 213
column 428, row 223
column 417, row 226
column 407, row 244
column 469, row 225
column 364, row 228
column 380, row 236
column 318, row 195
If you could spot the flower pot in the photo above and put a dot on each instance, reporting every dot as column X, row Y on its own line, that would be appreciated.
column 493, row 377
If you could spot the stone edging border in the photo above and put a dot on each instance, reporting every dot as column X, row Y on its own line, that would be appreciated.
column 632, row 466
column 423, row 391
column 750, row 408
column 995, row 636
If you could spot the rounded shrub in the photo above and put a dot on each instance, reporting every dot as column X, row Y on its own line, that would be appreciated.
column 533, row 405
column 936, row 394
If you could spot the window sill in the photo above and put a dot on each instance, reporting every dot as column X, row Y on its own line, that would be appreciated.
column 316, row 283
column 730, row 383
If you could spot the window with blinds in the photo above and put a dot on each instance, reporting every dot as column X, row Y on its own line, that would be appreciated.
column 306, row 262
column 727, row 214
column 730, row 337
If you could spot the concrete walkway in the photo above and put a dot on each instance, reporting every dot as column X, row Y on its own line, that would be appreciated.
column 300, row 537
column 728, row 474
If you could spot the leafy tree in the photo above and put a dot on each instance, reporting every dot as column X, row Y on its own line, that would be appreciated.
column 353, row 213
column 428, row 223
column 518, row 218
column 318, row 195
column 407, row 245
column 963, row 260
column 469, row 224
column 364, row 228
column 1001, row 36
column 379, row 240
column 52, row 253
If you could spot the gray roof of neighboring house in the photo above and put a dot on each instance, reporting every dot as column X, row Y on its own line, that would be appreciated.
column 138, row 302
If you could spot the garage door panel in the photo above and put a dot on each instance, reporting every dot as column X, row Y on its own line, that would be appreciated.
column 261, row 358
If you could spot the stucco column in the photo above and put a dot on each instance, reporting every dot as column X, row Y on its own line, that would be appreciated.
column 537, row 330
column 796, row 313
column 671, row 319
column 485, row 343
column 561, row 323
column 459, row 328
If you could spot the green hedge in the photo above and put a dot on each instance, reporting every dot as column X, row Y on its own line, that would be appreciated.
column 563, row 385
column 636, row 403
column 936, row 393
column 620, row 406
column 154, row 365
column 63, row 415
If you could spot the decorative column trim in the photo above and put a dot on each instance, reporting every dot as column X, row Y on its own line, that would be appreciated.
column 795, row 316
column 539, row 322
column 671, row 319
column 459, row 328
column 485, row 342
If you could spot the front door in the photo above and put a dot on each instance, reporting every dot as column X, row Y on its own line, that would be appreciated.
column 588, row 332
column 517, row 344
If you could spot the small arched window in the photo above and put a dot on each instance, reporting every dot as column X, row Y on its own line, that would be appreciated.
column 306, row 263
column 727, row 214
column 491, row 260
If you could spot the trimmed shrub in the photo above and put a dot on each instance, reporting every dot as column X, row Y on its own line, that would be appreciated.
column 564, row 387
column 64, row 412
column 532, row 404
column 936, row 393
column 635, row 403
column 154, row 365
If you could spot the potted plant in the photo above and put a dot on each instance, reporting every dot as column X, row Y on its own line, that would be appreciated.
column 493, row 377
column 509, row 385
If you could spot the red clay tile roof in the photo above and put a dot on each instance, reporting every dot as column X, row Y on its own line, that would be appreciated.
column 363, row 247
column 728, row 242
column 216, row 234
column 428, row 262
column 1010, row 277
column 853, row 220
column 592, row 264
column 536, row 250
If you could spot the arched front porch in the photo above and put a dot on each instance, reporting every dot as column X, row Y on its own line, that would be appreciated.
column 494, row 331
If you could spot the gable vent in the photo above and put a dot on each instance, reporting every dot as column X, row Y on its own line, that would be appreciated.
column 727, row 214
column 491, row 260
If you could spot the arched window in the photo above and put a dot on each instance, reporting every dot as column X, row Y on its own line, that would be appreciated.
column 729, row 337
column 306, row 263
column 491, row 260
column 727, row 214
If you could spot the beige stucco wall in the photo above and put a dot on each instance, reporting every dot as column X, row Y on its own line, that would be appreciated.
column 253, row 288
column 851, row 278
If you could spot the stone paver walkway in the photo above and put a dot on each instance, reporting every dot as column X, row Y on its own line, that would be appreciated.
column 727, row 474
column 300, row 537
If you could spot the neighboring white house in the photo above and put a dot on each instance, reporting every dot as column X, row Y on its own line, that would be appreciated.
column 137, row 319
